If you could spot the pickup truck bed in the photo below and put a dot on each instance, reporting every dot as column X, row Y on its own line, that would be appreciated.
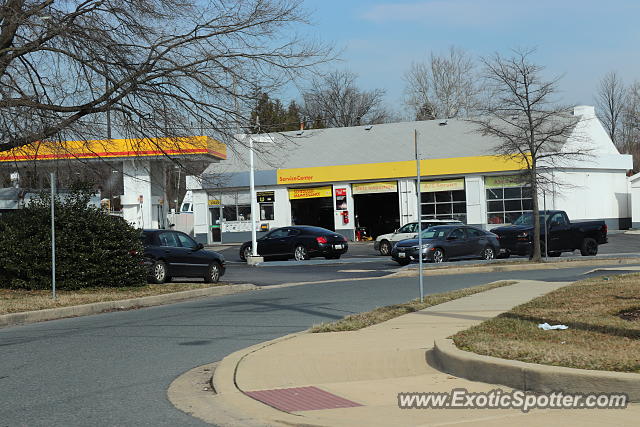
column 564, row 236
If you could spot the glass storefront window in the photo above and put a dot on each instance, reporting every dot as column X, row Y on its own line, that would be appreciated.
column 266, row 211
column 244, row 212
column 236, row 212
column 230, row 213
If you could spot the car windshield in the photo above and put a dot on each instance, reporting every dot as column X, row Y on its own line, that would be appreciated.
column 433, row 233
column 527, row 219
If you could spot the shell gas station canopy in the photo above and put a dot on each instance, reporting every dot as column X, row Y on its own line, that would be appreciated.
column 125, row 149
column 144, row 201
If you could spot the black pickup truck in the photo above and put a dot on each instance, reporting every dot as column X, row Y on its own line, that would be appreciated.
column 564, row 236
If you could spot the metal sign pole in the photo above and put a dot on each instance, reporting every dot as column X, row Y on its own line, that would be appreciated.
column 546, row 224
column 53, row 236
column 421, row 280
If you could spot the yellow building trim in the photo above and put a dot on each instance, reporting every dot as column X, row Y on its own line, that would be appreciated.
column 117, row 148
column 431, row 167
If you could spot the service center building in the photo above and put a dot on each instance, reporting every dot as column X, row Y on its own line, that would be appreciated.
column 364, row 178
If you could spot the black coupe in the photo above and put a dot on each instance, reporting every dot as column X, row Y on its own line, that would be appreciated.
column 299, row 242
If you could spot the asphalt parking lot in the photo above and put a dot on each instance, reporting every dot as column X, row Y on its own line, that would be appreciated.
column 361, row 261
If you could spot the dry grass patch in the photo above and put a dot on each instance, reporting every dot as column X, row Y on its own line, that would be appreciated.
column 597, row 337
column 16, row 301
column 381, row 314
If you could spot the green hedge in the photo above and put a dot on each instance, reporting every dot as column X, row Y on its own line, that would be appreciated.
column 93, row 248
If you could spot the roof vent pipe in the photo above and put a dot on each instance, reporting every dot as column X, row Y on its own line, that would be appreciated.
column 443, row 123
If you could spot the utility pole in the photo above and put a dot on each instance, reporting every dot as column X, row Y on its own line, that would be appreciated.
column 418, row 174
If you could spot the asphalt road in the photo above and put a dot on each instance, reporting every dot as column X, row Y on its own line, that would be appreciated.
column 114, row 368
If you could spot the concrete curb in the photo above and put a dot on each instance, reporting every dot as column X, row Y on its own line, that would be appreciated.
column 100, row 307
column 530, row 376
column 245, row 409
column 442, row 271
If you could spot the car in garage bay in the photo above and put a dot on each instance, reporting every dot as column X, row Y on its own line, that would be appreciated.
column 385, row 242
column 169, row 253
column 447, row 243
column 299, row 242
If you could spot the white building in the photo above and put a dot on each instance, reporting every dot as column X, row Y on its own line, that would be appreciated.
column 365, row 176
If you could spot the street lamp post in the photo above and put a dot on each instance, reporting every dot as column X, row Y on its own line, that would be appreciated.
column 252, row 196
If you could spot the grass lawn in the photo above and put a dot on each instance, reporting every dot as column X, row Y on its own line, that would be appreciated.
column 381, row 314
column 15, row 301
column 599, row 336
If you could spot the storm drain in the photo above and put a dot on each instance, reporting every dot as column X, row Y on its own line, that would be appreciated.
column 301, row 399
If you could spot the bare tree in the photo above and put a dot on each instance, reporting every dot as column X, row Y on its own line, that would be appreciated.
column 336, row 101
column 529, row 126
column 157, row 67
column 443, row 87
column 630, row 125
column 610, row 103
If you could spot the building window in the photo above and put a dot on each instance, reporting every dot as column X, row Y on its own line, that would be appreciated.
column 506, row 204
column 230, row 213
column 451, row 204
column 237, row 212
column 266, row 211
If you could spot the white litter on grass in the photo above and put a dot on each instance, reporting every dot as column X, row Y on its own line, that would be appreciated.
column 548, row 327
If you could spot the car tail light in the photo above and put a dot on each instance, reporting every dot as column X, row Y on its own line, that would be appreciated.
column 605, row 229
column 321, row 239
column 344, row 239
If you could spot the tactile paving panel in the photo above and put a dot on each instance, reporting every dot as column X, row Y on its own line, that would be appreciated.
column 301, row 399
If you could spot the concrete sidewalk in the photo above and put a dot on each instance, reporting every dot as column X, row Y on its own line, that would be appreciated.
column 370, row 367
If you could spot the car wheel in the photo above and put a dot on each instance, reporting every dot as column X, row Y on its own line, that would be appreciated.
column 488, row 253
column 159, row 272
column 385, row 248
column 300, row 253
column 246, row 253
column 213, row 273
column 438, row 255
column 589, row 247
column 402, row 261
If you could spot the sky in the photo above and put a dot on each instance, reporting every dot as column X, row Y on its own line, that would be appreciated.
column 580, row 40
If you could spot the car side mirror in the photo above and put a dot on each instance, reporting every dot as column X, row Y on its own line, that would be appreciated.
column 452, row 238
column 396, row 230
column 199, row 246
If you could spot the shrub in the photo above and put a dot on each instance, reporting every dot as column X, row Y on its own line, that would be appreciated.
column 93, row 248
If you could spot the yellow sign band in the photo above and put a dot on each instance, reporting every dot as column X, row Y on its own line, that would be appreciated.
column 389, row 170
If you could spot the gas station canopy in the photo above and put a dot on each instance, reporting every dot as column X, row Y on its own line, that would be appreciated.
column 144, row 202
column 119, row 149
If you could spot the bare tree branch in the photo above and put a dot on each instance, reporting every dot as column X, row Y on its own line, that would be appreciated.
column 336, row 101
column 157, row 65
column 530, row 127
column 610, row 104
column 444, row 87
